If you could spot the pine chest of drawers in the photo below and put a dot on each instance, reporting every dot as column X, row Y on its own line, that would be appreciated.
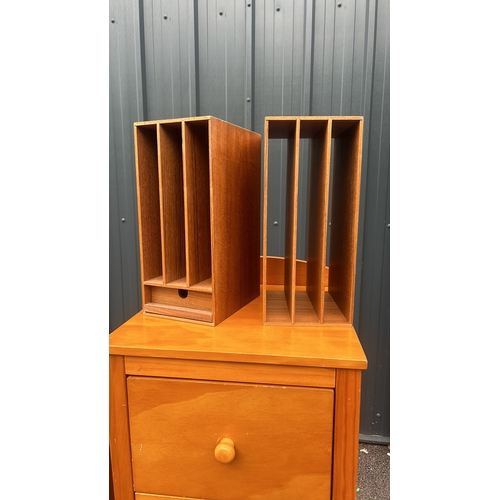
column 239, row 411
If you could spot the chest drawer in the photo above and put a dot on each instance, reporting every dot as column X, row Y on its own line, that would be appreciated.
column 282, row 439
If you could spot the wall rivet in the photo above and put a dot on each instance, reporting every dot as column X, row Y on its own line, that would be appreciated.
column 165, row 16
column 248, row 99
column 339, row 5
column 112, row 20
column 220, row 12
column 275, row 222
column 378, row 415
column 123, row 219
column 278, row 9
column 249, row 4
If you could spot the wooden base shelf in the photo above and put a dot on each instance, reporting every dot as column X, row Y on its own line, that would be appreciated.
column 278, row 313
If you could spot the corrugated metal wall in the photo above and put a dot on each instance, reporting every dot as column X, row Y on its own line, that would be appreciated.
column 241, row 61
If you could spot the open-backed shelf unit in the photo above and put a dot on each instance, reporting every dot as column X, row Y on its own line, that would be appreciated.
column 198, row 190
column 328, row 294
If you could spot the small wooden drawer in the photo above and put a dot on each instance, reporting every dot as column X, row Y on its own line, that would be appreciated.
column 282, row 439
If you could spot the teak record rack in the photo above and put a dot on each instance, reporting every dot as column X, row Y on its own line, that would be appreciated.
column 198, row 189
column 315, row 303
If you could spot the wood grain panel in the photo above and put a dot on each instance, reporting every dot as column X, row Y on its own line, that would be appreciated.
column 317, row 216
column 344, row 218
column 178, row 312
column 119, row 441
column 275, row 271
column 282, row 437
column 240, row 338
column 148, row 200
column 197, row 201
column 182, row 298
column 264, row 259
column 291, row 215
column 231, row 372
column 148, row 496
column 172, row 201
column 235, row 182
column 346, row 434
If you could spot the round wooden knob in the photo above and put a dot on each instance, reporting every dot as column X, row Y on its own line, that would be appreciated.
column 224, row 451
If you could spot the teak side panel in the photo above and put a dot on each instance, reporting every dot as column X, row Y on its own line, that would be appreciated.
column 282, row 436
column 148, row 200
column 172, row 201
column 344, row 218
column 291, row 216
column 319, row 176
column 264, row 260
column 235, row 182
column 196, row 166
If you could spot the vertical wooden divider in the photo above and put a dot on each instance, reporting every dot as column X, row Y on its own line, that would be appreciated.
column 319, row 176
column 264, row 221
column 291, row 214
column 171, row 202
column 344, row 229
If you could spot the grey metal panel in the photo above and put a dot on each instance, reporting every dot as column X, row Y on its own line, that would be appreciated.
column 224, row 48
column 170, row 62
column 372, row 319
column 283, row 37
column 260, row 58
column 125, row 100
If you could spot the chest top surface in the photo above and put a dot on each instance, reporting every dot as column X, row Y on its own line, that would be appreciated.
column 240, row 338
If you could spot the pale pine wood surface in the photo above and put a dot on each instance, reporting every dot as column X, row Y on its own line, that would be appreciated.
column 231, row 372
column 346, row 434
column 149, row 496
column 282, row 438
column 119, row 439
column 242, row 338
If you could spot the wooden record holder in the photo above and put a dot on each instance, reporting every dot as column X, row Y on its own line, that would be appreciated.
column 315, row 304
column 198, row 190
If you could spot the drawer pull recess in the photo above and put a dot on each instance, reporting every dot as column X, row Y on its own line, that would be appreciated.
column 224, row 451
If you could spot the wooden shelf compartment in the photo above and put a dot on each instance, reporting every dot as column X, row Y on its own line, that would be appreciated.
column 314, row 304
column 198, row 185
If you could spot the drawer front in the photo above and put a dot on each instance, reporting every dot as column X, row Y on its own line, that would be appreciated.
column 282, row 439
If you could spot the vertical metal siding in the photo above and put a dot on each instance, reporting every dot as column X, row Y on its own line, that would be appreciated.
column 242, row 61
column 373, row 305
column 125, row 101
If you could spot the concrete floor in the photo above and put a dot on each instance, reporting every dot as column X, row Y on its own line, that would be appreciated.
column 373, row 472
